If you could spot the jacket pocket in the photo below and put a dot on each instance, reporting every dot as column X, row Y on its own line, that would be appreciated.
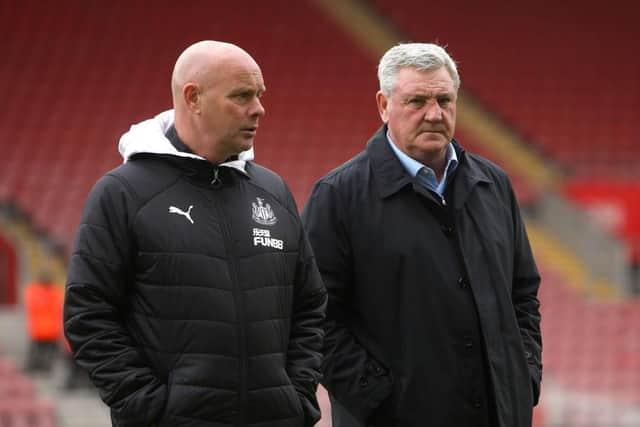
column 383, row 394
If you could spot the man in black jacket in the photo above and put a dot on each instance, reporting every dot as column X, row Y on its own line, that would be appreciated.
column 433, row 317
column 192, row 296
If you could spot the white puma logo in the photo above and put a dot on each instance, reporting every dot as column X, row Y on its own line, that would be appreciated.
column 187, row 214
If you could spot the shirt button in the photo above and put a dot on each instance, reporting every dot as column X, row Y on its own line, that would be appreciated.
column 363, row 382
column 469, row 344
column 448, row 230
column 477, row 404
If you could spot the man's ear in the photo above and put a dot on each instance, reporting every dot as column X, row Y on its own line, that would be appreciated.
column 383, row 104
column 191, row 94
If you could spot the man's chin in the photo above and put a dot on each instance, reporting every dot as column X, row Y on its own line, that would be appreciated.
column 245, row 145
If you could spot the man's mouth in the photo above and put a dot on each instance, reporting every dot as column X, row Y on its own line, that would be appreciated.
column 433, row 131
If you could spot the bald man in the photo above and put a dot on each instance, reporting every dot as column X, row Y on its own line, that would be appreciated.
column 192, row 297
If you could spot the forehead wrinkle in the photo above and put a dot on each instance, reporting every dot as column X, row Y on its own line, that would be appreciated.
column 245, row 80
column 429, row 90
column 414, row 81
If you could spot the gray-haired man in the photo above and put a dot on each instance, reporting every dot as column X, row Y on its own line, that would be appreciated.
column 433, row 313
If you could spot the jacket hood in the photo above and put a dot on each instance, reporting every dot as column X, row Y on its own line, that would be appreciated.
column 149, row 137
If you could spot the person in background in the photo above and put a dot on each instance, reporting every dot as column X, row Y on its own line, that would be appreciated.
column 192, row 294
column 433, row 317
column 43, row 308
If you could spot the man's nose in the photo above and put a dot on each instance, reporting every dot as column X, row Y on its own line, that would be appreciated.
column 433, row 111
column 257, row 109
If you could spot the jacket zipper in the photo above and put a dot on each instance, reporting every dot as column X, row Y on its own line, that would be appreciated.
column 216, row 182
column 237, row 299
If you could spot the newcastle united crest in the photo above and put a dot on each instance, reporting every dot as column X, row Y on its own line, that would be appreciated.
column 262, row 213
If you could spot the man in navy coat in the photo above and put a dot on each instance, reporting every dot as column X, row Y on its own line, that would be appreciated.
column 433, row 317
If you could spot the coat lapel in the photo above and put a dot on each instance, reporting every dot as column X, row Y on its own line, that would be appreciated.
column 468, row 175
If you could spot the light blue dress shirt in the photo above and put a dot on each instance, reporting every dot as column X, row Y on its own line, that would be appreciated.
column 424, row 174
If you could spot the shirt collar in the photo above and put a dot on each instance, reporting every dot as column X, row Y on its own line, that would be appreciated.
column 413, row 166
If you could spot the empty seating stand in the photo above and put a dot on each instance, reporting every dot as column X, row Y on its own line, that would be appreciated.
column 591, row 357
column 16, row 412
column 19, row 405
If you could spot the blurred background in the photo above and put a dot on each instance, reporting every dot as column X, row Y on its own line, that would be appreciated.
column 550, row 92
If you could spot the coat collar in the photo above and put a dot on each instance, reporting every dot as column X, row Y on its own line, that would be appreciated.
column 393, row 176
column 386, row 166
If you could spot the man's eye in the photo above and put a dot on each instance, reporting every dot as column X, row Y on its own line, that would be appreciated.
column 416, row 102
column 242, row 97
column 443, row 102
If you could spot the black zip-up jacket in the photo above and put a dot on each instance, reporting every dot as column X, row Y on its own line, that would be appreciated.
column 193, row 298
column 433, row 317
